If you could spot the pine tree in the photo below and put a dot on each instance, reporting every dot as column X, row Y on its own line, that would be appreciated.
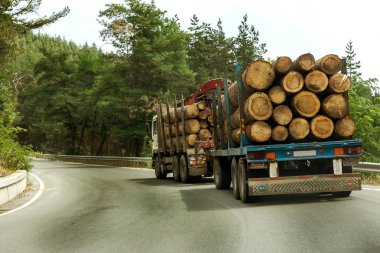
column 352, row 65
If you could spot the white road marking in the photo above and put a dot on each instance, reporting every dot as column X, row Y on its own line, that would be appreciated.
column 38, row 194
column 371, row 189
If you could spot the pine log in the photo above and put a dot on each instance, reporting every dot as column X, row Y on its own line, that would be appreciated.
column 335, row 106
column 189, row 111
column 235, row 119
column 304, row 63
column 322, row 127
column 203, row 123
column 345, row 127
column 277, row 95
column 204, row 134
column 191, row 139
column 233, row 92
column 258, row 131
column 279, row 133
column 339, row 83
column 192, row 126
column 282, row 115
column 210, row 120
column 306, row 104
column 235, row 135
column 203, row 114
column 258, row 106
column 258, row 75
column 180, row 129
column 201, row 105
column 292, row 82
column 282, row 65
column 171, row 115
column 330, row 64
column 316, row 81
column 299, row 128
column 174, row 141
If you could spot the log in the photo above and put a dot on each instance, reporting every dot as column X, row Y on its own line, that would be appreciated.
column 316, row 81
column 180, row 129
column 203, row 123
column 234, row 97
column 235, row 119
column 329, row 64
column 282, row 115
column 258, row 75
column 210, row 120
column 279, row 133
column 322, row 127
column 189, row 111
column 174, row 141
column 345, row 127
column 258, row 131
column 277, row 95
column 171, row 115
column 192, row 126
column 204, row 134
column 339, row 83
column 292, row 82
column 203, row 114
column 191, row 139
column 282, row 65
column 335, row 106
column 258, row 106
column 304, row 63
column 306, row 104
column 235, row 135
column 201, row 105
column 299, row 128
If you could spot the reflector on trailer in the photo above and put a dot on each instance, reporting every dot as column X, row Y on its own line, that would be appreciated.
column 338, row 151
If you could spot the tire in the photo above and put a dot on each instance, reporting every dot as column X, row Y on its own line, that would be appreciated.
column 184, row 169
column 345, row 194
column 159, row 169
column 222, row 176
column 243, row 181
column 176, row 171
column 234, row 178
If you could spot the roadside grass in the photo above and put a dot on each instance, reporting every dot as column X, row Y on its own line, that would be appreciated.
column 371, row 178
column 5, row 172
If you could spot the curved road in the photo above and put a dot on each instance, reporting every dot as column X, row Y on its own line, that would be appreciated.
column 88, row 208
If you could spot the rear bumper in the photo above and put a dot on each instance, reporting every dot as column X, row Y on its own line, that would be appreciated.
column 304, row 184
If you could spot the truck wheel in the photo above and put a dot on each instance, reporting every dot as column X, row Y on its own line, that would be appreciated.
column 184, row 169
column 222, row 176
column 159, row 169
column 243, row 181
column 234, row 176
column 346, row 169
column 175, row 166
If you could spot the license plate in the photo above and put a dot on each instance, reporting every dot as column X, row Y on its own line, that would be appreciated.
column 304, row 153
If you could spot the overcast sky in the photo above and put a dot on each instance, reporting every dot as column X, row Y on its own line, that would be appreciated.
column 289, row 28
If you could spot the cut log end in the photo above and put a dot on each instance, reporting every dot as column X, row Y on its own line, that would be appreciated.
column 304, row 63
column 279, row 133
column 259, row 75
column 345, row 127
column 329, row 64
column 282, row 65
column 277, row 95
column 258, row 131
column 335, row 106
column 282, row 115
column 201, row 105
column 316, row 81
column 191, row 139
column 235, row 135
column 292, row 82
column 204, row 134
column 339, row 83
column 306, row 104
column 258, row 107
column 299, row 128
column 322, row 127
column 192, row 126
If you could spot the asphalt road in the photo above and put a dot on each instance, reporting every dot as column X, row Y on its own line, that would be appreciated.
column 87, row 208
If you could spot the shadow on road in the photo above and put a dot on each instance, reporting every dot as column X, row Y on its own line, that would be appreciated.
column 170, row 182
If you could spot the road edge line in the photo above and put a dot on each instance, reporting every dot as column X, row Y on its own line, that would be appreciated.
column 35, row 197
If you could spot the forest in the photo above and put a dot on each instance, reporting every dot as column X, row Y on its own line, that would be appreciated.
column 63, row 98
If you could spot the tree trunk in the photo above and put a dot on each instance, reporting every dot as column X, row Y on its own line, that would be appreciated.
column 235, row 119
column 329, row 64
column 210, row 120
column 304, row 63
column 306, row 104
column 316, row 81
column 277, row 95
column 203, row 114
column 258, row 131
column 203, row 123
column 104, row 133
column 339, row 83
column 235, row 135
column 335, row 106
column 292, row 82
column 282, row 115
column 204, row 134
column 192, row 126
column 299, row 128
column 322, row 127
column 282, row 65
column 258, row 106
column 345, row 127
column 279, row 133
column 258, row 75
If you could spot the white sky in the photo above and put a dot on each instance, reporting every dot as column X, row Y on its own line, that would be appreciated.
column 289, row 28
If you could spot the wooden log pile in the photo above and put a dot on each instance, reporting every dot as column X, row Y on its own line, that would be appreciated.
column 197, row 125
column 287, row 101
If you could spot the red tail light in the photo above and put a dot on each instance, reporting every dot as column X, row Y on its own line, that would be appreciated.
column 256, row 155
column 353, row 150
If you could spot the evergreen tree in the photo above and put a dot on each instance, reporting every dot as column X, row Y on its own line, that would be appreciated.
column 352, row 65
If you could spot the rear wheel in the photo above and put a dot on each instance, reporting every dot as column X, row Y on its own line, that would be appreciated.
column 175, row 166
column 159, row 169
column 222, row 175
column 184, row 169
column 345, row 194
column 243, row 181
column 234, row 177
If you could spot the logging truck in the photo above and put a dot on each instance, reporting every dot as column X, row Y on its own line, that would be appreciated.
column 281, row 128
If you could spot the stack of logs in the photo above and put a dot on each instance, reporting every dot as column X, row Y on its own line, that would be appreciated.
column 198, row 125
column 292, row 101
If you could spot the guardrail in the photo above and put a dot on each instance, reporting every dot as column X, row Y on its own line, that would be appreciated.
column 367, row 167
